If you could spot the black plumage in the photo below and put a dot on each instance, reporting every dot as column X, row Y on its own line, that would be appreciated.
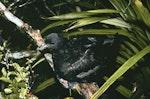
column 81, row 58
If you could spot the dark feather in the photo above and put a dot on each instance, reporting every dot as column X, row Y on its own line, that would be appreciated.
column 80, row 58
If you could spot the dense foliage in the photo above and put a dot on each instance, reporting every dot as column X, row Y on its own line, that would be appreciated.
column 129, row 78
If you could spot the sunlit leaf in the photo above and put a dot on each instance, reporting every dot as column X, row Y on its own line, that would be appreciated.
column 5, row 79
column 11, row 73
column 23, row 92
column 143, row 12
column 116, row 22
column 4, row 72
column 7, row 90
column 18, row 79
column 16, row 66
column 82, row 14
column 85, row 21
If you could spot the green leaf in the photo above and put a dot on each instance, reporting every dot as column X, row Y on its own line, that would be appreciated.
column 5, row 79
column 82, row 14
column 7, row 90
column 99, row 32
column 143, row 12
column 38, row 62
column 22, row 84
column 4, row 72
column 125, row 8
column 125, row 67
column 59, row 4
column 85, row 21
column 132, row 47
column 1, row 49
column 11, row 73
column 116, row 22
column 125, row 49
column 120, row 60
column 124, row 91
column 118, row 6
column 17, row 67
column 125, row 54
column 55, row 24
column 23, row 93
column 44, row 85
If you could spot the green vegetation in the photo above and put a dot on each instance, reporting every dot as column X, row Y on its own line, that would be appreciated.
column 128, row 18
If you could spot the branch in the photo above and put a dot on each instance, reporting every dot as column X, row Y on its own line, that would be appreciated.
column 35, row 34
column 22, row 54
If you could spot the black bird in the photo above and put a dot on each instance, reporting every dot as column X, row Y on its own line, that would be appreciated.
column 81, row 58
